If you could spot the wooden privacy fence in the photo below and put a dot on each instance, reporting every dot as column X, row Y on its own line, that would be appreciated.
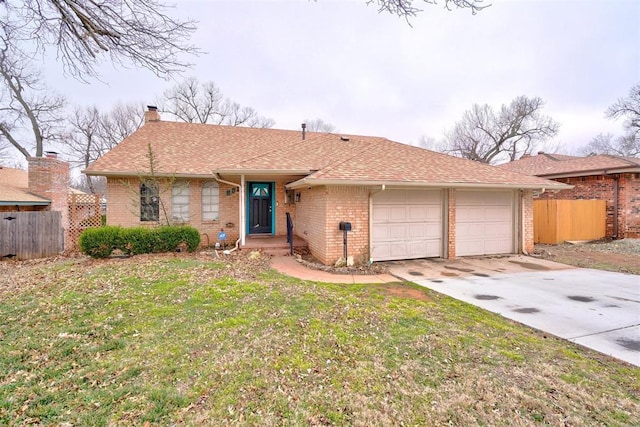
column 27, row 235
column 556, row 221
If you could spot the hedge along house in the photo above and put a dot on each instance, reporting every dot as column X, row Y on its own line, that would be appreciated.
column 615, row 179
column 402, row 202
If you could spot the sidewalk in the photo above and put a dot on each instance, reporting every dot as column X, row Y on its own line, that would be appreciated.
column 289, row 266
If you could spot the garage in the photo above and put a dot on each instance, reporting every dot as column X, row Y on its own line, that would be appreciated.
column 484, row 222
column 406, row 224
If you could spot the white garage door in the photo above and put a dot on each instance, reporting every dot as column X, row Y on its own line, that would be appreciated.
column 484, row 222
column 406, row 224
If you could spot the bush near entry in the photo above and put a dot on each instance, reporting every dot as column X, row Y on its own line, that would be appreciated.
column 101, row 242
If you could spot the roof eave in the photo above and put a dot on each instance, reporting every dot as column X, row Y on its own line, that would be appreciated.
column 263, row 171
column 591, row 172
column 458, row 185
column 131, row 174
column 23, row 203
column 128, row 174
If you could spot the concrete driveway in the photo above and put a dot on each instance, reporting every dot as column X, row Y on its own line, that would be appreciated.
column 596, row 309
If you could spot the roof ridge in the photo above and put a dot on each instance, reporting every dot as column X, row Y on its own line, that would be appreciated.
column 274, row 150
column 344, row 160
column 627, row 159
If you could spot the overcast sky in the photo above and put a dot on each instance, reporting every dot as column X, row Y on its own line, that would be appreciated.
column 374, row 74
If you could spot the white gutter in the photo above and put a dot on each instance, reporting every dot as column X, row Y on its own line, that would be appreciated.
column 549, row 185
column 134, row 174
column 265, row 171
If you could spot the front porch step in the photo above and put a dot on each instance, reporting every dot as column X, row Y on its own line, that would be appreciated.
column 273, row 245
column 277, row 252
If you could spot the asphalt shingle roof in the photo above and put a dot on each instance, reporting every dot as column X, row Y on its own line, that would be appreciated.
column 14, row 188
column 547, row 165
column 190, row 149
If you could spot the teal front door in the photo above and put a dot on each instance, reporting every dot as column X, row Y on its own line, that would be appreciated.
column 260, row 207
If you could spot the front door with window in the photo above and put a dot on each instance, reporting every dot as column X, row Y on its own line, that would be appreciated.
column 260, row 207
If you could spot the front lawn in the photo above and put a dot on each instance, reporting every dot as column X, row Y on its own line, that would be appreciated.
column 192, row 340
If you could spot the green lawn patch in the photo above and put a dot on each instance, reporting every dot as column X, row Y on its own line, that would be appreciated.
column 192, row 340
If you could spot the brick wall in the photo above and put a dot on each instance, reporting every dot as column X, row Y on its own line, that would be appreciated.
column 526, row 217
column 49, row 178
column 319, row 213
column 601, row 187
column 282, row 208
column 630, row 195
column 123, row 207
column 450, row 232
column 347, row 204
column 310, row 221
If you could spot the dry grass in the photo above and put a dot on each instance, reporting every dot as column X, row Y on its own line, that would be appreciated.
column 190, row 340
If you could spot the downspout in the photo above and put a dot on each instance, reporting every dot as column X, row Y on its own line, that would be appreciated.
column 241, row 205
column 616, row 189
column 371, row 193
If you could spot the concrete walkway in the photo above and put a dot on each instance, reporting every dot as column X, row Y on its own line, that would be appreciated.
column 291, row 267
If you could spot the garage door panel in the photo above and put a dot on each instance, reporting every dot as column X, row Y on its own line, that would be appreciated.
column 397, row 214
column 484, row 223
column 406, row 224
column 499, row 230
column 497, row 213
column 381, row 213
column 397, row 231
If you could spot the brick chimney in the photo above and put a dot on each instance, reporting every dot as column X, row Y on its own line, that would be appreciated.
column 151, row 115
column 49, row 178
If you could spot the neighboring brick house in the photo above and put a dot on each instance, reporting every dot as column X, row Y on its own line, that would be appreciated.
column 615, row 179
column 402, row 201
column 44, row 187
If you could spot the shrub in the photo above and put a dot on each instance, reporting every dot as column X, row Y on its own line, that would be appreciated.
column 137, row 240
column 101, row 242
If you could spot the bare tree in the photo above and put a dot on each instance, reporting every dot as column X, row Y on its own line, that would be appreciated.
column 627, row 145
column 92, row 133
column 86, row 32
column 490, row 136
column 319, row 125
column 30, row 114
column 195, row 102
column 407, row 9
column 629, row 109
column 431, row 143
column 624, row 145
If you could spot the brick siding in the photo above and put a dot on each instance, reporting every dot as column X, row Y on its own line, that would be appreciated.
column 316, row 215
column 347, row 204
column 526, row 217
column 319, row 213
column 49, row 178
column 450, row 231
column 123, row 207
column 310, row 221
column 630, row 195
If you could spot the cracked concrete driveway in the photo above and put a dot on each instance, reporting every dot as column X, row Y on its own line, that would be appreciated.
column 596, row 309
